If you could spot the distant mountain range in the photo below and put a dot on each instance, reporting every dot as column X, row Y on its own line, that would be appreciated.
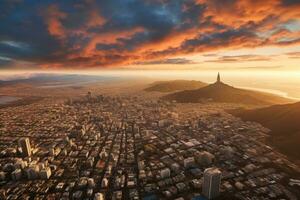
column 284, row 123
column 176, row 85
column 55, row 79
column 221, row 92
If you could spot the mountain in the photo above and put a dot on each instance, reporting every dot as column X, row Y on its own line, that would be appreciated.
column 172, row 86
column 55, row 79
column 283, row 121
column 221, row 92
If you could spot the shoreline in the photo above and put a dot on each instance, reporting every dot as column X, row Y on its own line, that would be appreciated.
column 272, row 91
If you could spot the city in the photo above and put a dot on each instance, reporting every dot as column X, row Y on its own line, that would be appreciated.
column 124, row 147
column 150, row 100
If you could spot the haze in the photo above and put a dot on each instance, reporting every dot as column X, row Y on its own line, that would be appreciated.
column 149, row 99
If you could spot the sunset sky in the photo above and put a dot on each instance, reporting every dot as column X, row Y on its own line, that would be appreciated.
column 150, row 34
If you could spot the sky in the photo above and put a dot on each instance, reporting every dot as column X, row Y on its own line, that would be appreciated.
column 249, row 35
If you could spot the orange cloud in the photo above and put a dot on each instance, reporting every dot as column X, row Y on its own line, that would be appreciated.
column 91, row 33
column 53, row 18
column 95, row 19
column 236, row 13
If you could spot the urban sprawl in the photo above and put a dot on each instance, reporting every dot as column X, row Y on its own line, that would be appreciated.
column 104, row 147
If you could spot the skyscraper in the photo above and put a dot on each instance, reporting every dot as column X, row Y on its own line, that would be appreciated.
column 24, row 144
column 218, row 78
column 211, row 183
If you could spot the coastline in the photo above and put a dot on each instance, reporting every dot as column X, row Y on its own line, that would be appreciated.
column 272, row 91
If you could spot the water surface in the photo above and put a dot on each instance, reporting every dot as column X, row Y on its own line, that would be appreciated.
column 7, row 99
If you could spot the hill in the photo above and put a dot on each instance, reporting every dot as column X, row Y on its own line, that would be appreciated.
column 221, row 92
column 283, row 121
column 172, row 86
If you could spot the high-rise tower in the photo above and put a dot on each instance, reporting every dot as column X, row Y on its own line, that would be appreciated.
column 24, row 143
column 218, row 78
column 211, row 183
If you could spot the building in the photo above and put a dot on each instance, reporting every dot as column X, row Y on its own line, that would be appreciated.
column 165, row 173
column 99, row 196
column 104, row 183
column 45, row 173
column 211, row 183
column 20, row 164
column 91, row 183
column 189, row 162
column 175, row 167
column 204, row 158
column 32, row 172
column 2, row 176
column 2, row 194
column 24, row 144
column 16, row 175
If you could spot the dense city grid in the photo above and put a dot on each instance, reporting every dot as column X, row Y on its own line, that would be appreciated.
column 131, row 148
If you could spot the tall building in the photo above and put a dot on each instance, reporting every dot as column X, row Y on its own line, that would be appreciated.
column 211, row 183
column 24, row 144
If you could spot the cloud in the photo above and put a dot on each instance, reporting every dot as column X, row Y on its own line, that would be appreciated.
column 53, row 19
column 97, row 33
column 241, row 58
column 172, row 61
column 293, row 55
column 263, row 67
column 290, row 2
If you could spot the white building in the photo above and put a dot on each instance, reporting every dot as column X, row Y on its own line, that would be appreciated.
column 104, row 183
column 99, row 196
column 91, row 182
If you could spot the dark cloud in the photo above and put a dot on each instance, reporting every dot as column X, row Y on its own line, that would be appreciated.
column 97, row 33
column 290, row 2
column 172, row 61
column 241, row 58
column 5, row 62
column 217, row 39
column 213, row 41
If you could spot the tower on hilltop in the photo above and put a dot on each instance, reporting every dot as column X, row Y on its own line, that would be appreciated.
column 218, row 78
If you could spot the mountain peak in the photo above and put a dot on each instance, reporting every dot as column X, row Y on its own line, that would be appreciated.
column 222, row 92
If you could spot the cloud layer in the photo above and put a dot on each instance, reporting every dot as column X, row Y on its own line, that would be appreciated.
column 91, row 33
